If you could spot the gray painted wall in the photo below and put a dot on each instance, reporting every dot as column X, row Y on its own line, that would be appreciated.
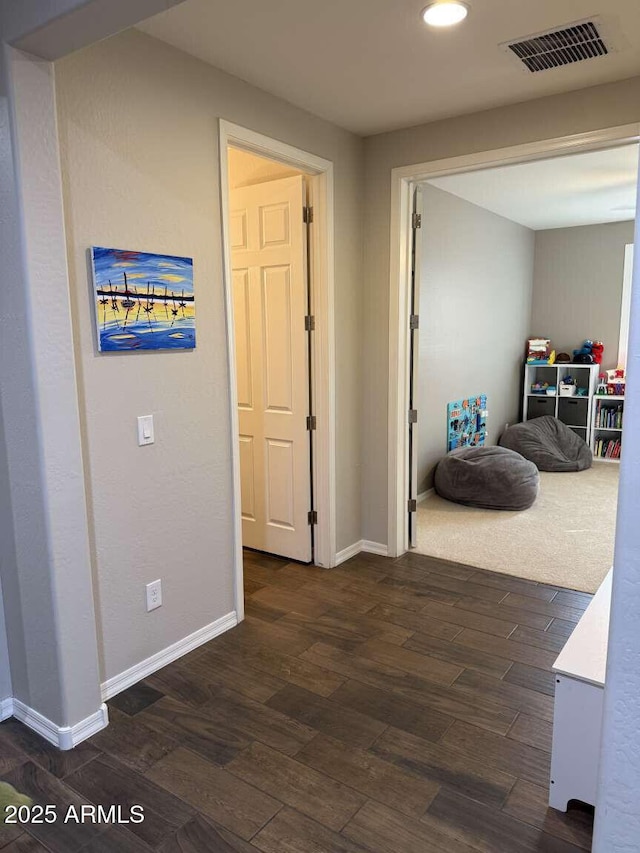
column 7, row 557
column 475, row 304
column 141, row 170
column 577, row 290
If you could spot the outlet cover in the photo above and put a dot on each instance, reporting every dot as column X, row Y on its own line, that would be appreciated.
column 154, row 595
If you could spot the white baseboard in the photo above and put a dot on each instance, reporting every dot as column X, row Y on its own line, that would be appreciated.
column 64, row 737
column 348, row 553
column 6, row 709
column 374, row 548
column 424, row 495
column 141, row 670
column 363, row 546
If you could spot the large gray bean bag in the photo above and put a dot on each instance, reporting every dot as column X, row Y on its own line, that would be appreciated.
column 549, row 444
column 487, row 477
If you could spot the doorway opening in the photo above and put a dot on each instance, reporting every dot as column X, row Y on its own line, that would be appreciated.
column 277, row 230
column 429, row 380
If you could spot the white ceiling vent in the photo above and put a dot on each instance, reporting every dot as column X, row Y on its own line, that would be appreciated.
column 562, row 46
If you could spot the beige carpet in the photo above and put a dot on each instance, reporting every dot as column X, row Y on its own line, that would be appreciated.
column 565, row 539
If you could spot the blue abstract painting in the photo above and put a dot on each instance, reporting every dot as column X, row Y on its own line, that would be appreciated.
column 143, row 301
column 467, row 422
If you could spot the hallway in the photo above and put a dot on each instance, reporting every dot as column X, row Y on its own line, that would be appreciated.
column 381, row 706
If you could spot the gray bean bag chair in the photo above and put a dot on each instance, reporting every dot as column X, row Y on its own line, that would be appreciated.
column 549, row 444
column 487, row 477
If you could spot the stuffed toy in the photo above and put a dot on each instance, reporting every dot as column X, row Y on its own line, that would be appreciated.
column 10, row 797
column 590, row 352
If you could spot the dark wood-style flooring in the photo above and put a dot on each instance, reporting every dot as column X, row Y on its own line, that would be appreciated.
column 382, row 707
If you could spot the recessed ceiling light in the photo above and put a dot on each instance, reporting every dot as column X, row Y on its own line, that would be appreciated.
column 445, row 13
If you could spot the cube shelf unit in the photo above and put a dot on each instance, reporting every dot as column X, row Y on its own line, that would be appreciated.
column 607, row 409
column 577, row 411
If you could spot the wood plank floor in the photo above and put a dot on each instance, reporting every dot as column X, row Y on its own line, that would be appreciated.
column 383, row 706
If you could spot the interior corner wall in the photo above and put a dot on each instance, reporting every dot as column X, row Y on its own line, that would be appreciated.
column 138, row 125
column 247, row 169
column 475, row 311
column 577, row 292
column 582, row 111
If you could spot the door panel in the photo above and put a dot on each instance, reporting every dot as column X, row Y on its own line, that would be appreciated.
column 278, row 320
column 280, row 484
column 238, row 229
column 241, row 308
column 274, row 226
column 270, row 304
column 247, row 477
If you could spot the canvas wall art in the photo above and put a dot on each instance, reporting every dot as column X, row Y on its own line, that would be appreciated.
column 467, row 422
column 143, row 301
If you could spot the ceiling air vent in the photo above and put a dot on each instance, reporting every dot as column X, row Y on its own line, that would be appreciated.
column 565, row 46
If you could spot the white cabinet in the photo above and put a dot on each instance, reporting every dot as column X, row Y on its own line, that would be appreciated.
column 577, row 716
column 577, row 411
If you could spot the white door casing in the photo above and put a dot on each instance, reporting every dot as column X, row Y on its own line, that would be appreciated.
column 414, row 361
column 268, row 253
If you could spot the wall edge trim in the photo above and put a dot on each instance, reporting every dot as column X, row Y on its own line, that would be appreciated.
column 363, row 546
column 348, row 552
column 375, row 548
column 112, row 686
column 64, row 737
column 6, row 708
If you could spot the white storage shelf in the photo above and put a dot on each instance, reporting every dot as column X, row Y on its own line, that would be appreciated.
column 575, row 411
column 609, row 401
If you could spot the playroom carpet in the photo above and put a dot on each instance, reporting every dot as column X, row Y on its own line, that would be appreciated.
column 565, row 539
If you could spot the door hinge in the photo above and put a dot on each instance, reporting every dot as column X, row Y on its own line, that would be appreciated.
column 412, row 505
column 310, row 323
column 413, row 416
column 307, row 215
column 311, row 422
column 414, row 321
column 312, row 517
column 416, row 221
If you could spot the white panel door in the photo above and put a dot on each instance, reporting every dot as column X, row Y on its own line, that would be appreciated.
column 268, row 251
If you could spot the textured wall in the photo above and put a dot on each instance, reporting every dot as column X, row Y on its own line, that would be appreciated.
column 577, row 291
column 617, row 828
column 577, row 112
column 475, row 308
column 140, row 165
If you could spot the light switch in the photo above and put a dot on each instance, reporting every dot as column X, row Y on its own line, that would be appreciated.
column 145, row 430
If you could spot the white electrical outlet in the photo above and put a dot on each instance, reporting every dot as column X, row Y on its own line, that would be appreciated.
column 154, row 594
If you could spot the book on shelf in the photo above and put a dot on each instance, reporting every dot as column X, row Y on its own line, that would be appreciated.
column 607, row 448
column 608, row 417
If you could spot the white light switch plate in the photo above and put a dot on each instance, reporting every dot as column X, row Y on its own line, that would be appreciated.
column 145, row 430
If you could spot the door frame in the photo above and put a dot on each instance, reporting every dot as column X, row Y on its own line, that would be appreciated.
column 403, row 180
column 320, row 176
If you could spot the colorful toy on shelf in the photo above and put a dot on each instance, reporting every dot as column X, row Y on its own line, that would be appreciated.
column 616, row 383
column 539, row 387
column 601, row 390
column 590, row 352
column 539, row 351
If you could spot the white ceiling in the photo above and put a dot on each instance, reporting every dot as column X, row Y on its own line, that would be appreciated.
column 372, row 65
column 581, row 189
